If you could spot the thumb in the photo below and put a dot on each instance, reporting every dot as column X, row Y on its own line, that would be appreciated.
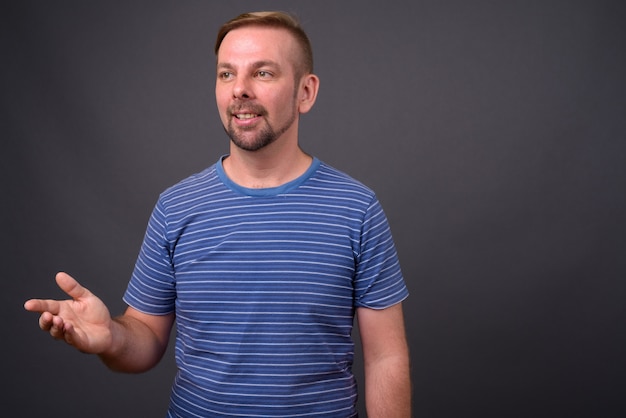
column 70, row 286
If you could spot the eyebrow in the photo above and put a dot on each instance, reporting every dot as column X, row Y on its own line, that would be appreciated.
column 257, row 64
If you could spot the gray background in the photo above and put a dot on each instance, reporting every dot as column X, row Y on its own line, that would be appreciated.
column 492, row 131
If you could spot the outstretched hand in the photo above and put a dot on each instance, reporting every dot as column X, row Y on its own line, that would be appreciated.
column 83, row 322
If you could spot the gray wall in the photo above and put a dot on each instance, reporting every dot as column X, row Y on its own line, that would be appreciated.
column 492, row 131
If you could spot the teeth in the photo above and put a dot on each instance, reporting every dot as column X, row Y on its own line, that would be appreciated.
column 246, row 116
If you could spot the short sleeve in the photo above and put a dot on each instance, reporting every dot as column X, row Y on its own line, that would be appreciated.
column 152, row 287
column 378, row 282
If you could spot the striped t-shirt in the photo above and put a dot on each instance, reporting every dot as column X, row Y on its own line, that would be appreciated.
column 264, row 284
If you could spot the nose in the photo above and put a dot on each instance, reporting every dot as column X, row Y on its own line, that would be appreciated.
column 242, row 88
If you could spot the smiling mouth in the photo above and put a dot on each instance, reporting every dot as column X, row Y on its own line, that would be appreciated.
column 244, row 116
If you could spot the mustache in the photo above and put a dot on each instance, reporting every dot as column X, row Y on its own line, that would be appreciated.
column 247, row 108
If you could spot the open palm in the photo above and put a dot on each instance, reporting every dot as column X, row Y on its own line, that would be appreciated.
column 83, row 321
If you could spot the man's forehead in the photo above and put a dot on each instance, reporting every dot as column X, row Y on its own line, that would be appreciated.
column 253, row 38
column 248, row 45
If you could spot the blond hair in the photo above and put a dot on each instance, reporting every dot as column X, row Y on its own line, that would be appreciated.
column 273, row 19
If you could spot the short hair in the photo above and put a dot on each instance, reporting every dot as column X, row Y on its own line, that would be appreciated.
column 273, row 19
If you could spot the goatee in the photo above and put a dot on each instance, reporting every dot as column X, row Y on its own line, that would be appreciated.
column 243, row 137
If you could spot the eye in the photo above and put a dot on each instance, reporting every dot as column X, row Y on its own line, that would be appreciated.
column 225, row 75
column 263, row 74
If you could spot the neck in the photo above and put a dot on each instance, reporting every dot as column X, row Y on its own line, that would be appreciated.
column 267, row 167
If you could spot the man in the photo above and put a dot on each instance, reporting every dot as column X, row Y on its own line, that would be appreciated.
column 262, row 260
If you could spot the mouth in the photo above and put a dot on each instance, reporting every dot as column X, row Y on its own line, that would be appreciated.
column 246, row 112
column 246, row 116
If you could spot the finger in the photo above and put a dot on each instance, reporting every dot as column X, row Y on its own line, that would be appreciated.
column 68, row 334
column 54, row 325
column 42, row 305
column 45, row 321
column 57, row 328
column 70, row 286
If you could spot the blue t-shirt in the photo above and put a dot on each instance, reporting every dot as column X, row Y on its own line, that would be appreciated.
column 264, row 284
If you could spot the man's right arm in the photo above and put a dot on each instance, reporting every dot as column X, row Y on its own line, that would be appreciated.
column 132, row 343
column 138, row 341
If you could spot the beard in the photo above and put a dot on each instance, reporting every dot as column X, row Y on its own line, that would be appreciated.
column 245, row 139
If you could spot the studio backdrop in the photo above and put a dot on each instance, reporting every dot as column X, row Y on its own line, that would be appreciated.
column 494, row 134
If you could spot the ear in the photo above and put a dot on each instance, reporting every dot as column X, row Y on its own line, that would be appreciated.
column 309, row 86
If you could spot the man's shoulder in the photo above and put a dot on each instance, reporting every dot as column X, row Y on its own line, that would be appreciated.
column 340, row 179
column 193, row 184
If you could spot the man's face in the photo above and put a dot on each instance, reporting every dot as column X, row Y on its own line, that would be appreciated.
column 256, row 90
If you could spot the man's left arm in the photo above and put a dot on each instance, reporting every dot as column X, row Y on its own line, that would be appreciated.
column 386, row 362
